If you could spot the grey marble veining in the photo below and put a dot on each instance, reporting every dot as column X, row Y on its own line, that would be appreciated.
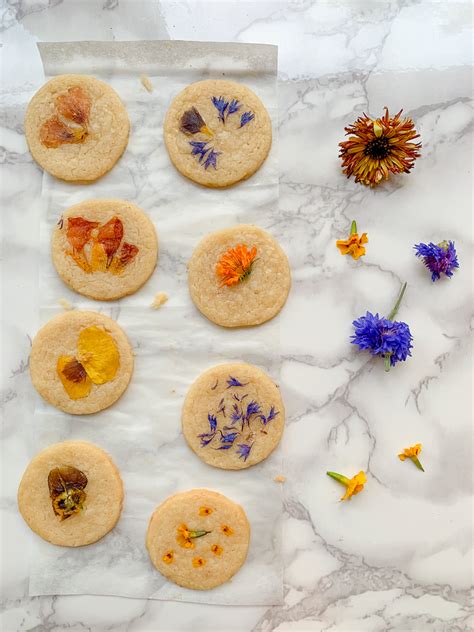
column 399, row 556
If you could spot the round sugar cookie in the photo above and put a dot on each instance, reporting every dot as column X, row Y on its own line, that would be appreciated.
column 71, row 494
column 81, row 362
column 198, row 539
column 233, row 416
column 104, row 249
column 76, row 127
column 239, row 276
column 217, row 132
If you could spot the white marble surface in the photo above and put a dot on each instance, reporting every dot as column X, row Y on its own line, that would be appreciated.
column 399, row 556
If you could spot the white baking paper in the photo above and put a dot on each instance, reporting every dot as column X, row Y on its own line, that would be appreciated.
column 173, row 345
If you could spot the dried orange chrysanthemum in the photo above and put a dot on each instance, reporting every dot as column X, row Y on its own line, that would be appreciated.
column 378, row 147
column 412, row 454
column 236, row 264
column 354, row 244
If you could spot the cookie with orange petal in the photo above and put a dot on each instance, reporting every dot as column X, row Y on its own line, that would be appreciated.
column 239, row 276
column 198, row 539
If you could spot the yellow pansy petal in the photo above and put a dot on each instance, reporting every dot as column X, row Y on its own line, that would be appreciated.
column 73, row 376
column 98, row 353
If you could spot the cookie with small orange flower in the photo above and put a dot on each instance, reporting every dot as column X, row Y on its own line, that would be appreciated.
column 81, row 362
column 104, row 249
column 76, row 127
column 71, row 494
column 233, row 416
column 217, row 132
column 198, row 539
column 239, row 276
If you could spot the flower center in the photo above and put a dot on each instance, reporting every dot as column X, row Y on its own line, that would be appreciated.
column 377, row 148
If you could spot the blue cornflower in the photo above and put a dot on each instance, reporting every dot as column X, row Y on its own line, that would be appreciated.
column 206, row 438
column 385, row 337
column 212, row 422
column 236, row 414
column 253, row 408
column 233, row 381
column 211, row 159
column 271, row 415
column 199, row 149
column 438, row 258
column 229, row 437
column 221, row 106
column 234, row 106
column 245, row 118
column 243, row 450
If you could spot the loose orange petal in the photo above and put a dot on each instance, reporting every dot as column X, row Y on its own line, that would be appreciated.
column 235, row 264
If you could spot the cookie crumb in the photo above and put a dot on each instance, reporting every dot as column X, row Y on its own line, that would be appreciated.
column 280, row 479
column 65, row 304
column 146, row 83
column 159, row 300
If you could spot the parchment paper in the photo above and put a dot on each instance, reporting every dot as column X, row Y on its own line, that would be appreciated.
column 142, row 431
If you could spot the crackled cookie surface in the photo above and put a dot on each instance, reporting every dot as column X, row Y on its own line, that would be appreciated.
column 76, row 127
column 233, row 416
column 71, row 494
column 239, row 276
column 81, row 362
column 217, row 132
column 104, row 249
column 198, row 539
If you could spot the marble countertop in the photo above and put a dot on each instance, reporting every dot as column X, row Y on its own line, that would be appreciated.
column 399, row 556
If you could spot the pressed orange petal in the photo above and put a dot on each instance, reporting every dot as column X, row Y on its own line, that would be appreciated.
column 235, row 264
column 98, row 258
column 75, row 380
column 74, row 105
column 54, row 133
column 79, row 231
column 110, row 235
column 125, row 255
column 98, row 353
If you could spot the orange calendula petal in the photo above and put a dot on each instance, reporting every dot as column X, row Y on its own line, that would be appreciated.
column 110, row 235
column 126, row 255
column 54, row 133
column 98, row 258
column 79, row 231
column 73, row 376
column 74, row 105
column 98, row 353
column 236, row 264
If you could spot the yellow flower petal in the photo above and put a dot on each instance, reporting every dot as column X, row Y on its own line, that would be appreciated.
column 98, row 354
column 98, row 258
column 355, row 485
column 73, row 376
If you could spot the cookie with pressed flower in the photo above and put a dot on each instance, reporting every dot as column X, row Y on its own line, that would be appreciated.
column 76, row 127
column 233, row 416
column 239, row 276
column 217, row 132
column 71, row 494
column 81, row 362
column 198, row 539
column 104, row 249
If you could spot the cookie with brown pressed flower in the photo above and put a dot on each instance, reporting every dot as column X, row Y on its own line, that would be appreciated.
column 233, row 416
column 71, row 494
column 239, row 276
column 81, row 362
column 198, row 539
column 76, row 127
column 217, row 132
column 104, row 249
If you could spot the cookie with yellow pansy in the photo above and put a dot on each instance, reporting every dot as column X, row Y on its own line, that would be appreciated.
column 81, row 362
column 71, row 493
column 239, row 276
column 104, row 249
column 198, row 539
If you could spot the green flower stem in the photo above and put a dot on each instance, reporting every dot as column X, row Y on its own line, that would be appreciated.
column 353, row 227
column 386, row 361
column 198, row 534
column 339, row 478
column 394, row 311
column 417, row 463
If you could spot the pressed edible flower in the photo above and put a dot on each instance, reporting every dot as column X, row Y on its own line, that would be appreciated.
column 73, row 376
column 216, row 549
column 243, row 450
column 378, row 147
column 439, row 259
column 245, row 118
column 226, row 530
column 69, row 123
column 168, row 557
column 383, row 336
column 193, row 123
column 353, row 245
column 98, row 354
column 412, row 454
column 186, row 536
column 66, row 489
column 235, row 264
column 198, row 562
column 353, row 485
column 205, row 511
column 54, row 133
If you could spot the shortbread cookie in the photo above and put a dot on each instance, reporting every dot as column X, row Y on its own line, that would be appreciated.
column 198, row 539
column 217, row 132
column 81, row 362
column 71, row 494
column 239, row 276
column 104, row 249
column 76, row 127
column 233, row 416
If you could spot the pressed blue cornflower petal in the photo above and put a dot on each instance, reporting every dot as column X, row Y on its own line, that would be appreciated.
column 234, row 106
column 229, row 438
column 383, row 337
column 206, row 438
column 221, row 106
column 226, row 446
column 199, row 149
column 439, row 259
column 212, row 422
column 236, row 414
column 253, row 408
column 233, row 381
column 271, row 415
column 243, row 450
column 245, row 118
column 211, row 160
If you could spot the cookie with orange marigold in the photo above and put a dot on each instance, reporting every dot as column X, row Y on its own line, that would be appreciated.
column 81, row 362
column 198, row 539
column 239, row 276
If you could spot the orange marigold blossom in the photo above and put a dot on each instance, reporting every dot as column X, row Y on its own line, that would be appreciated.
column 236, row 264
column 168, row 557
column 205, row 511
column 226, row 530
column 353, row 485
column 353, row 245
column 216, row 549
column 186, row 536
column 412, row 454
column 198, row 562
column 378, row 147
